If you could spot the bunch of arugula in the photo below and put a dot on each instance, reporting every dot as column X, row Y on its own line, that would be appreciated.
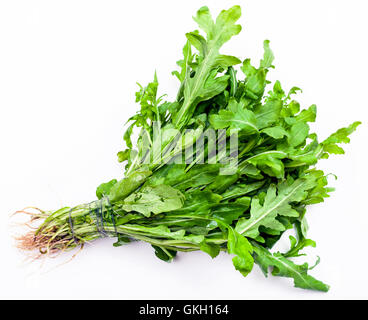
column 202, row 205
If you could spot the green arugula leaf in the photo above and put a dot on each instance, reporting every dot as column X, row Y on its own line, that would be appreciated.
column 276, row 132
column 154, row 200
column 235, row 117
column 123, row 155
column 228, row 212
column 298, row 245
column 307, row 115
column 298, row 133
column 205, row 84
column 241, row 190
column 330, row 145
column 320, row 191
column 268, row 56
column 122, row 240
column 126, row 186
column 164, row 254
column 283, row 267
column 255, row 81
column 199, row 175
column 269, row 162
column 268, row 114
column 277, row 202
column 185, row 63
column 240, row 246
column 104, row 188
column 212, row 249
column 198, row 203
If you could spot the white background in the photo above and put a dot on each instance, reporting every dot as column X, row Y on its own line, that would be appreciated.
column 67, row 80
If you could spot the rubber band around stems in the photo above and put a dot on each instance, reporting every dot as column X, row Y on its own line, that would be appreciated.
column 95, row 211
column 112, row 215
column 98, row 212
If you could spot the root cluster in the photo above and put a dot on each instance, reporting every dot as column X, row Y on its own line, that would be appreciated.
column 39, row 241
